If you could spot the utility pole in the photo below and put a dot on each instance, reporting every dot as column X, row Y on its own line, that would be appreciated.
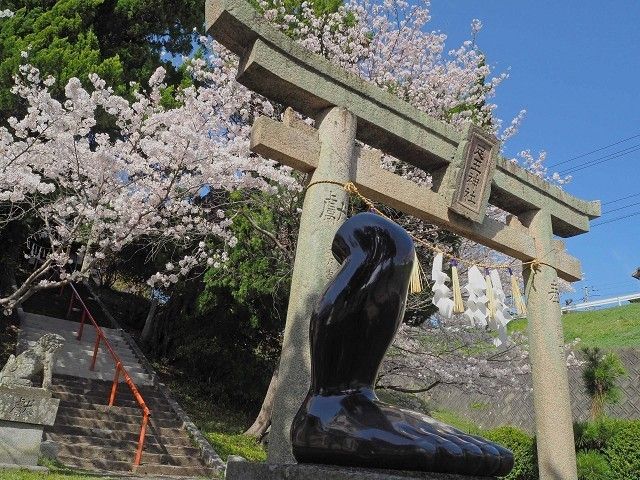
column 588, row 292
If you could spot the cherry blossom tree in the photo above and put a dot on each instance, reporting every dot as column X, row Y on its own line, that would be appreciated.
column 94, row 193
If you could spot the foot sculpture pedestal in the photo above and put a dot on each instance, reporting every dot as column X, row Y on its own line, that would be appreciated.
column 240, row 469
column 341, row 422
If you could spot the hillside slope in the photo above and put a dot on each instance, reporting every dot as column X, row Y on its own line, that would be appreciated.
column 610, row 328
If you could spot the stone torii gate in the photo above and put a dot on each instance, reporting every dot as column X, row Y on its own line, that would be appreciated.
column 467, row 172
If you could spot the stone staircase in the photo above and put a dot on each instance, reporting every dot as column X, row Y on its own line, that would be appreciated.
column 90, row 435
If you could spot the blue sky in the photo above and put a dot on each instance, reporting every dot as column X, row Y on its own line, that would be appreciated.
column 575, row 68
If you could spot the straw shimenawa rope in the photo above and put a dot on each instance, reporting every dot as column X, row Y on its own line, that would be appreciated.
column 352, row 190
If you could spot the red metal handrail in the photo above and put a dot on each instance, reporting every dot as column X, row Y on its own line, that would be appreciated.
column 100, row 337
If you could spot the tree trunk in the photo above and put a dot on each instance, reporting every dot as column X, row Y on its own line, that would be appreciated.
column 263, row 420
column 87, row 259
column 13, row 243
column 597, row 404
column 149, row 323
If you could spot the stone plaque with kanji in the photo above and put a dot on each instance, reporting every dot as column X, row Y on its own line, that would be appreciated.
column 27, row 405
column 474, row 185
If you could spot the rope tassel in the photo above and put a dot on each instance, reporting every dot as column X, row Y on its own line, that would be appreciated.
column 491, row 299
column 518, row 301
column 458, row 304
column 415, row 284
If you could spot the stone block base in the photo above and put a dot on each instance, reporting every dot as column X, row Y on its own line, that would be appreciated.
column 19, row 443
column 239, row 469
column 30, row 468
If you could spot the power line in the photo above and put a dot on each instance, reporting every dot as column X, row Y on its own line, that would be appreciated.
column 616, row 219
column 621, row 208
column 617, row 286
column 620, row 199
column 599, row 160
column 614, row 284
column 594, row 151
column 607, row 291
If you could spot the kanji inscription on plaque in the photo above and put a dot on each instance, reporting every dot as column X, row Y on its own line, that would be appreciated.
column 472, row 193
column 27, row 405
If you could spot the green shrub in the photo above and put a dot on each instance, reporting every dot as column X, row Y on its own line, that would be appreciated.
column 593, row 466
column 523, row 447
column 600, row 377
column 623, row 451
column 595, row 435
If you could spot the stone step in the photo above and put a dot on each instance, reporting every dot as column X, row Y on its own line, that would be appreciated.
column 125, row 455
column 70, row 334
column 115, row 435
column 86, row 383
column 104, row 425
column 122, row 399
column 28, row 339
column 138, row 379
column 106, row 465
column 151, row 443
column 52, row 324
column 103, row 362
column 38, row 318
column 74, row 348
column 89, row 400
column 104, row 374
column 118, row 414
column 67, row 355
column 122, row 392
column 105, row 389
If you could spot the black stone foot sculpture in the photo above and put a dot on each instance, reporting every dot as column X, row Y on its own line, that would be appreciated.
column 341, row 421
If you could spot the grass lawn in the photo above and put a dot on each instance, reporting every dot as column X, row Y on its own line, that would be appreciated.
column 609, row 328
column 56, row 472
column 457, row 421
column 27, row 475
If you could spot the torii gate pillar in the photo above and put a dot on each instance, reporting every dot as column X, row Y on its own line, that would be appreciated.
column 324, row 210
column 554, row 421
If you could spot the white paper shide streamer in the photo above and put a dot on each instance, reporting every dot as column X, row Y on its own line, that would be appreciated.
column 476, row 311
column 502, row 316
column 441, row 293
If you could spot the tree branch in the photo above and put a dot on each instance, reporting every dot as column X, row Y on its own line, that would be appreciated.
column 409, row 390
column 268, row 234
